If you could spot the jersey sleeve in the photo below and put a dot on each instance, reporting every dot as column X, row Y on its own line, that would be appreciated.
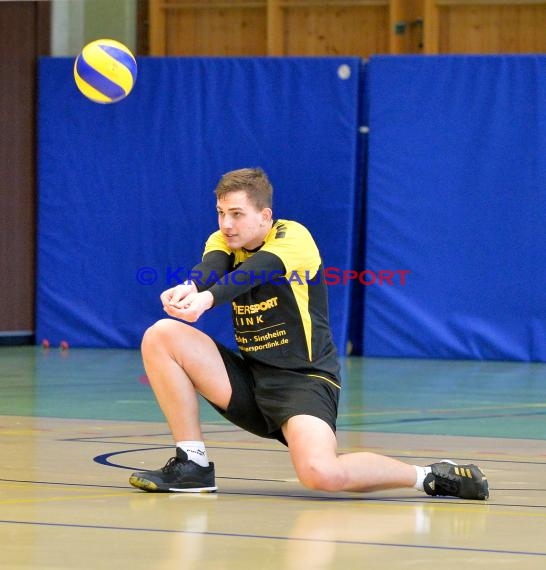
column 216, row 242
column 215, row 264
column 294, row 245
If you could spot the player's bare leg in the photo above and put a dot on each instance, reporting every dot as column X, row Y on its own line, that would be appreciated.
column 181, row 362
column 313, row 449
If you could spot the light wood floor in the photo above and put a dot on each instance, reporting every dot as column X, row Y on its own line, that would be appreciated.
column 74, row 425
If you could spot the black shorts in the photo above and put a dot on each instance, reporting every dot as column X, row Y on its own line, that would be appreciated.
column 264, row 398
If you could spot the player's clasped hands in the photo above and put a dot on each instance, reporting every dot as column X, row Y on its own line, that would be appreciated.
column 185, row 302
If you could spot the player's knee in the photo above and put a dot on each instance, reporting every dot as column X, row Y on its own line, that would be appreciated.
column 157, row 334
column 320, row 476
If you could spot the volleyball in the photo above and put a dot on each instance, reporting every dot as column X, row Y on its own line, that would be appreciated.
column 105, row 71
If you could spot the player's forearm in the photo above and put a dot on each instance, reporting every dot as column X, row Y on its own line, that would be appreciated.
column 215, row 265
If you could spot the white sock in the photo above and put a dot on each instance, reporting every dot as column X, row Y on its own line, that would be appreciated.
column 422, row 472
column 195, row 450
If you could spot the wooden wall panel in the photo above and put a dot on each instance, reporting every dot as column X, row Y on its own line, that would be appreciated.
column 208, row 27
column 346, row 27
column 493, row 29
column 406, row 26
column 269, row 27
column 216, row 31
column 359, row 30
column 485, row 26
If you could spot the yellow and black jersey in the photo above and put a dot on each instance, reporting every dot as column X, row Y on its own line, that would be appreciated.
column 278, row 297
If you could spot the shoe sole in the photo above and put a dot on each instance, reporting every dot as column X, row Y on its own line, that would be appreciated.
column 150, row 486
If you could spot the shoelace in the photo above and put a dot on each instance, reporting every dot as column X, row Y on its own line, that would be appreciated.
column 170, row 465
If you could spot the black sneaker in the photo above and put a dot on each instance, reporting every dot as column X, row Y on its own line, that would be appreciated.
column 463, row 481
column 180, row 474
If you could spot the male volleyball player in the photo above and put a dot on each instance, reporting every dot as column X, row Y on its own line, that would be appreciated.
column 285, row 383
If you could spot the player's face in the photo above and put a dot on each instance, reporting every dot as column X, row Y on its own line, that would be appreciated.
column 240, row 222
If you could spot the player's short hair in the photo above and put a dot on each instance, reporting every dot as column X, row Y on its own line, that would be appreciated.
column 253, row 181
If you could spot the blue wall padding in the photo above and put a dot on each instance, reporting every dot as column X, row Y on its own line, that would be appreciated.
column 129, row 185
column 457, row 195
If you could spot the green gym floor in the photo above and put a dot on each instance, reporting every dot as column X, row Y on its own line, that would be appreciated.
column 74, row 424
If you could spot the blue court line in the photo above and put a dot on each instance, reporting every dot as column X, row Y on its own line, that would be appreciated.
column 103, row 458
column 152, row 446
column 286, row 538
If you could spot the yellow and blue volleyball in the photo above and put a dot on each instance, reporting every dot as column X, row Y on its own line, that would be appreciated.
column 105, row 71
